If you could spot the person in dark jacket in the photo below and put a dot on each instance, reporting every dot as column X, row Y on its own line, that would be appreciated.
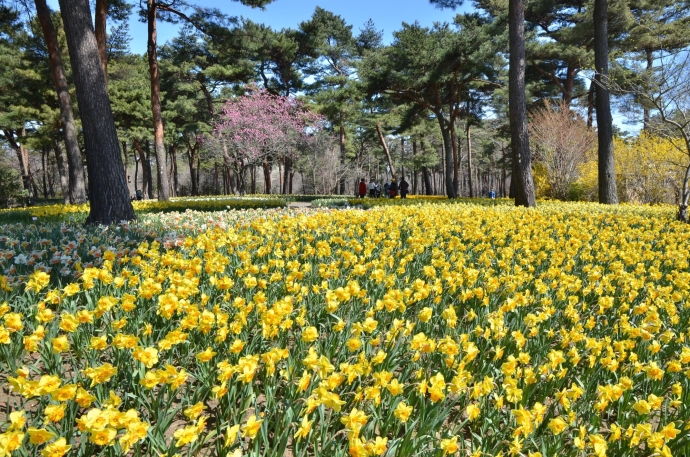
column 404, row 187
column 394, row 188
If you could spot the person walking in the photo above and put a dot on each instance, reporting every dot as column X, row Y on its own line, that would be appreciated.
column 404, row 187
column 362, row 188
column 394, row 188
column 372, row 188
column 387, row 189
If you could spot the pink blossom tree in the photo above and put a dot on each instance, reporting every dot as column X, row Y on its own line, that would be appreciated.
column 259, row 128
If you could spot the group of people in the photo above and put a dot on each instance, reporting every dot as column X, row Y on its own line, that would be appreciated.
column 389, row 190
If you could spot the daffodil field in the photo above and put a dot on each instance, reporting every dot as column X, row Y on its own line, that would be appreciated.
column 427, row 329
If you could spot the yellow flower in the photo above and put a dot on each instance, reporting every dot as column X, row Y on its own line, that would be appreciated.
column 425, row 314
column 403, row 411
column 310, row 334
column 378, row 447
column 56, row 449
column 557, row 425
column 353, row 344
column 206, row 355
column 251, row 427
column 186, row 435
column 39, row 435
column 17, row 420
column 642, row 407
column 231, row 435
column 304, row 428
column 148, row 356
column 55, row 413
column 37, row 281
column 103, row 437
column 84, row 399
column 60, row 344
column 450, row 446
column 194, row 411
column 354, row 421
column 472, row 411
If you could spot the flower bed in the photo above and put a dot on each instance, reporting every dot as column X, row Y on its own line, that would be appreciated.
column 438, row 329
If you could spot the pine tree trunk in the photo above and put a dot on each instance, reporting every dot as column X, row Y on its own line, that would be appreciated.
column 191, row 159
column 469, row 159
column 108, row 194
column 456, row 159
column 384, row 145
column 342, row 156
column 646, row 111
column 60, row 160
column 522, row 160
column 101, row 21
column 267, row 177
column 607, row 174
column 77, row 186
column 136, row 174
column 590, row 104
column 448, row 156
column 149, row 172
column 158, row 132
column 145, row 171
column 173, row 171
column 44, row 181
column 287, row 175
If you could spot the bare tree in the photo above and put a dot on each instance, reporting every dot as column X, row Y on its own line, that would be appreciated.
column 666, row 88
column 562, row 139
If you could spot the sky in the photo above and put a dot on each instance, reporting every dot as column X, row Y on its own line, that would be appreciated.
column 388, row 15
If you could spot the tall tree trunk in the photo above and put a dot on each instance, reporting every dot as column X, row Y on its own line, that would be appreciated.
column 522, row 160
column 108, row 192
column 146, row 178
column 267, row 176
column 607, row 173
column 504, row 171
column 428, row 188
column 384, row 145
column 456, row 159
column 126, row 160
column 287, row 175
column 77, row 186
column 173, row 171
column 341, row 186
column 44, row 181
column 590, row 104
column 448, row 154
column 101, row 22
column 136, row 173
column 191, row 159
column 469, row 159
column 158, row 132
column 649, row 54
column 60, row 160
column 414, row 170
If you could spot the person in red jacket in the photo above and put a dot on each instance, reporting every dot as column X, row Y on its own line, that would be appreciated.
column 362, row 188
